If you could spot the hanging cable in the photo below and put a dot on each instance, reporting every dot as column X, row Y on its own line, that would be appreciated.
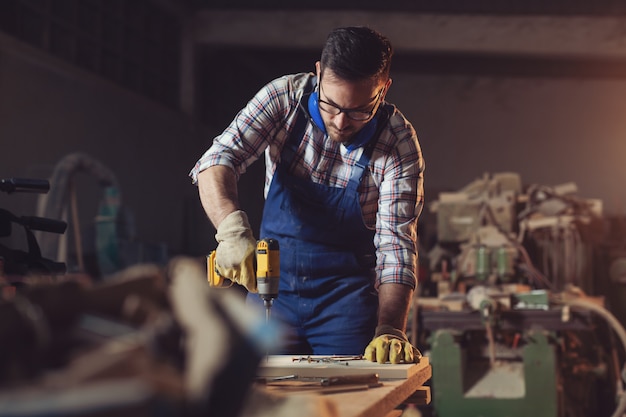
column 615, row 325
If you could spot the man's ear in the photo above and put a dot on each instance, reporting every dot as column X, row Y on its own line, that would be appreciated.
column 318, row 69
column 387, row 85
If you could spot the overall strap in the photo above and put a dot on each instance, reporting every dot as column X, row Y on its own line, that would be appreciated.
column 363, row 163
column 294, row 139
column 297, row 133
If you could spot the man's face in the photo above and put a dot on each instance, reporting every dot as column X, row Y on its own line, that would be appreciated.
column 341, row 102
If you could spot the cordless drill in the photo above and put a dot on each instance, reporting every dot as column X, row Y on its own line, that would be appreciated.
column 267, row 272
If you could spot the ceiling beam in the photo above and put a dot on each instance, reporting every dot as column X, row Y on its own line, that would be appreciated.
column 547, row 36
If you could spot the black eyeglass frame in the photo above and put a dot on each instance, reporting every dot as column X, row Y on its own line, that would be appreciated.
column 348, row 112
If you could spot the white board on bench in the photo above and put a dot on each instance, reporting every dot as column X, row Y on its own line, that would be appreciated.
column 281, row 365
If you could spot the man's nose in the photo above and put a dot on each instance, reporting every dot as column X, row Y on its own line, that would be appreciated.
column 341, row 120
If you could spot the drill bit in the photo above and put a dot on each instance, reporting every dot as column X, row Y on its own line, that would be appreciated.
column 268, row 308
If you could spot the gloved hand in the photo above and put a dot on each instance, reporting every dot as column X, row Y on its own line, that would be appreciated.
column 391, row 344
column 234, row 256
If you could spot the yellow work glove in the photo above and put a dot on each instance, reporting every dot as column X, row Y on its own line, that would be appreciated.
column 234, row 256
column 391, row 345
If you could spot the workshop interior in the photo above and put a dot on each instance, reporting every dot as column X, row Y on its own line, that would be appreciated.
column 105, row 250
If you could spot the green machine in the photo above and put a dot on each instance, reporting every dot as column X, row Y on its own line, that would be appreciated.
column 493, row 361
column 467, row 387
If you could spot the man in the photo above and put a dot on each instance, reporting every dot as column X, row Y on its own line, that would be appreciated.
column 343, row 192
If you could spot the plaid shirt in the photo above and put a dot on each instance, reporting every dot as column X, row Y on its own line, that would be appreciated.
column 391, row 195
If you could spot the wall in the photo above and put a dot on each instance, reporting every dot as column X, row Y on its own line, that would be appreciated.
column 48, row 110
column 550, row 130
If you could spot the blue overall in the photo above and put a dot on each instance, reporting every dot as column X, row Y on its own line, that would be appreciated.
column 327, row 257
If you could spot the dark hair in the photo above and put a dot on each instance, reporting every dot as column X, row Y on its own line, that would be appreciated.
column 356, row 53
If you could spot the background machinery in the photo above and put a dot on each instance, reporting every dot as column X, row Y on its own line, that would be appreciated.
column 513, row 310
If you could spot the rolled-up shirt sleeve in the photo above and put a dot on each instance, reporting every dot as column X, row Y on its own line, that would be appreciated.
column 400, row 204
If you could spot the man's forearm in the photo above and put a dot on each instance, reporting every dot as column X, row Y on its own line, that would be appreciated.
column 394, row 301
column 217, row 186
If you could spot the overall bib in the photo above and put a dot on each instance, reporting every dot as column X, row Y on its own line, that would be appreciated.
column 327, row 257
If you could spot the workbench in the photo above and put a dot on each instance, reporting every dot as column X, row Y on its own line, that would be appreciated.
column 377, row 401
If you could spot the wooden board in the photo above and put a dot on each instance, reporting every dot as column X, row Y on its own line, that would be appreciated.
column 377, row 402
column 281, row 365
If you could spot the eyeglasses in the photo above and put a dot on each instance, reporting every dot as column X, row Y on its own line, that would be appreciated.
column 357, row 115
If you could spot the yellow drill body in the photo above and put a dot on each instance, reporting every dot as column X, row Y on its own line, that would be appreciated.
column 267, row 272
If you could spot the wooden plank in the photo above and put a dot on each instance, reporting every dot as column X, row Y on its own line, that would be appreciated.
column 421, row 396
column 280, row 365
column 586, row 37
column 377, row 402
column 294, row 387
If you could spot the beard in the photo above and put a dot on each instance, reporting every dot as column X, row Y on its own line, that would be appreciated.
column 344, row 135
